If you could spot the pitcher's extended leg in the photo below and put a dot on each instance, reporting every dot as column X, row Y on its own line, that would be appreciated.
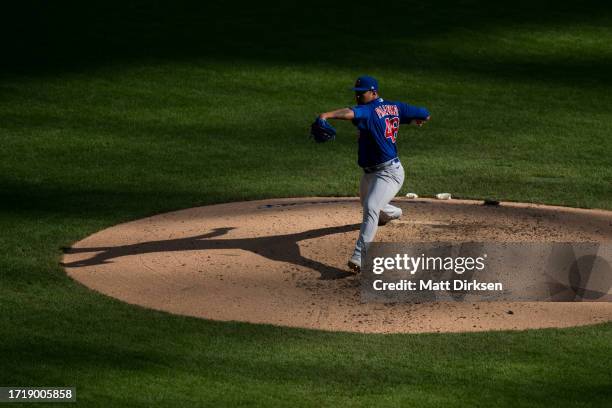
column 364, row 186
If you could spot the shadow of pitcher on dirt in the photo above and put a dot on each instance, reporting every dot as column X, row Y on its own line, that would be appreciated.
column 282, row 248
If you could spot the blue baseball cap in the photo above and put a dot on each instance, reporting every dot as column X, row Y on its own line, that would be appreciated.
column 366, row 83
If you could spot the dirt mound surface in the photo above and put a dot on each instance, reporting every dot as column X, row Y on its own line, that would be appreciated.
column 283, row 262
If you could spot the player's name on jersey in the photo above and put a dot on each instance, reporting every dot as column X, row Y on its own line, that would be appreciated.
column 387, row 110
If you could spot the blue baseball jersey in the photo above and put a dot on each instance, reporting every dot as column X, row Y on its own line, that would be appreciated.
column 378, row 123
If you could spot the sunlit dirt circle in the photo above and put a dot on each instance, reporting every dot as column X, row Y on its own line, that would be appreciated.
column 283, row 262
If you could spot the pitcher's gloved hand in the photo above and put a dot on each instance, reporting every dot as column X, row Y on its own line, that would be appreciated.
column 321, row 131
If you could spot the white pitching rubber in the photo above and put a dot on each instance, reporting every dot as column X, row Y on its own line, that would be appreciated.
column 443, row 196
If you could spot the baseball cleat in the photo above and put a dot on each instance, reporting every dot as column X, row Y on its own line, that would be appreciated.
column 385, row 219
column 354, row 265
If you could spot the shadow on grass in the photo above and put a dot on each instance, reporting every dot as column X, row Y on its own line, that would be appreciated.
column 280, row 248
column 68, row 36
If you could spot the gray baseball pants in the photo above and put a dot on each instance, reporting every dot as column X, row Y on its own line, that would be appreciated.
column 376, row 190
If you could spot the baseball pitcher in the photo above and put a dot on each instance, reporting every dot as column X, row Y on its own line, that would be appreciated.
column 378, row 122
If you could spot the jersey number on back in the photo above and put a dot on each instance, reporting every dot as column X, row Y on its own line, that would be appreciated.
column 392, row 128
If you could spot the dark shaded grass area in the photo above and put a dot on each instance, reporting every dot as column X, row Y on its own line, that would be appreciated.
column 65, row 35
column 111, row 111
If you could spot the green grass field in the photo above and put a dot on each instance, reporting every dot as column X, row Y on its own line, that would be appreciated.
column 113, row 111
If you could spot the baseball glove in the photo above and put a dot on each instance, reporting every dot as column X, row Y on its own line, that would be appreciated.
column 321, row 131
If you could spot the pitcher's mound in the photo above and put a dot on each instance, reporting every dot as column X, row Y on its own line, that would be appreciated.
column 283, row 262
